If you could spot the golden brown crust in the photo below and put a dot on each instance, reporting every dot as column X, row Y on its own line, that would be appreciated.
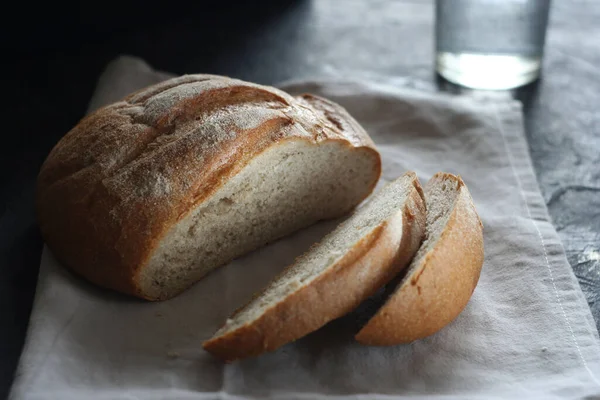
column 113, row 186
column 441, row 285
column 373, row 262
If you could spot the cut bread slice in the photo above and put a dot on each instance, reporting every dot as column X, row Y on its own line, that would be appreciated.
column 362, row 254
column 443, row 275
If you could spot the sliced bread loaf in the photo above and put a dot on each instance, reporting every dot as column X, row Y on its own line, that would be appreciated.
column 443, row 275
column 147, row 195
column 362, row 254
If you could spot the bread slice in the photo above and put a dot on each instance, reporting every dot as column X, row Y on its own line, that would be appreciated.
column 333, row 277
column 443, row 275
column 149, row 194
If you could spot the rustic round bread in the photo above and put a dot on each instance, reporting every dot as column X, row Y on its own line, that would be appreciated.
column 147, row 195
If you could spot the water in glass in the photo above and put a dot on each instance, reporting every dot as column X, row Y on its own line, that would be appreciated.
column 490, row 44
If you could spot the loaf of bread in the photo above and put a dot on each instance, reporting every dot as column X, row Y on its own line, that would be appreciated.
column 350, row 264
column 147, row 195
column 442, row 277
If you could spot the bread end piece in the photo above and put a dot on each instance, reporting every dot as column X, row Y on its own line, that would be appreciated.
column 443, row 275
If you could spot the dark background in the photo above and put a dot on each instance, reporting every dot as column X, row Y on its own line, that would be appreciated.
column 53, row 54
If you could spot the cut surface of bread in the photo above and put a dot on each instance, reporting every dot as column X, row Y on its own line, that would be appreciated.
column 442, row 277
column 331, row 279
column 280, row 191
column 147, row 195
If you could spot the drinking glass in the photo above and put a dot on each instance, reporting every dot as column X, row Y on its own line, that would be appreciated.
column 490, row 44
